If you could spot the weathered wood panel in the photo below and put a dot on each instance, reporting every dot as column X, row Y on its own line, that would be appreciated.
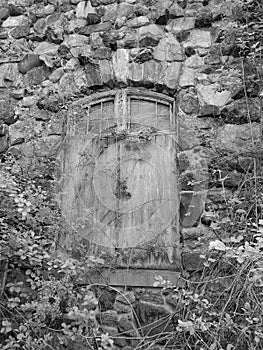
column 120, row 179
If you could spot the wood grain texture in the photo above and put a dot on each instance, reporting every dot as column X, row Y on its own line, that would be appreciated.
column 120, row 178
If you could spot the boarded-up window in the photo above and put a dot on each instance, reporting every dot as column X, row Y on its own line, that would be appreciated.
column 120, row 177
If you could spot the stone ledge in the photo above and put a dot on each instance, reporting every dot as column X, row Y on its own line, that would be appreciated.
column 132, row 277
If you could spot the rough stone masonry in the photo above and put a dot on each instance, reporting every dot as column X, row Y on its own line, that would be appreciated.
column 54, row 52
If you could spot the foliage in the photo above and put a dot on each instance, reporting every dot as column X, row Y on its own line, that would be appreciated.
column 41, row 306
column 222, row 309
column 219, row 307
column 243, row 33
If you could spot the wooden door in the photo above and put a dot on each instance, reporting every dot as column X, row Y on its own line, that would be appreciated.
column 120, row 179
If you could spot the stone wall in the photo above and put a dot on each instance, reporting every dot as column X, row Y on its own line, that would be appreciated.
column 54, row 52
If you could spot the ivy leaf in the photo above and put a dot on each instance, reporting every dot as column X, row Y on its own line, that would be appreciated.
column 213, row 346
column 217, row 245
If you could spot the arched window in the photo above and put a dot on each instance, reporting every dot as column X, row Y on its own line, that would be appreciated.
column 120, row 178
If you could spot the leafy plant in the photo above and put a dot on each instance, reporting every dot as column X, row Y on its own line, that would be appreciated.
column 41, row 306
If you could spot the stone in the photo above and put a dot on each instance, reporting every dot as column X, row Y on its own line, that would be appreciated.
column 209, row 94
column 55, row 124
column 75, row 25
column 165, row 10
column 40, row 27
column 53, row 22
column 143, row 55
column 100, row 27
column 96, row 3
column 216, row 195
column 245, row 163
column 233, row 179
column 237, row 111
column 194, row 61
column 121, row 308
column 18, row 93
column 67, row 85
column 102, row 53
column 189, row 51
column 4, row 13
column 16, row 21
column 149, row 73
column 15, row 10
column 28, row 62
column 178, row 25
column 209, row 111
column 161, row 19
column 81, row 80
column 64, row 52
column 20, row 32
column 183, row 35
column 3, row 34
column 36, row 76
column 214, row 57
column 29, row 101
column 83, row 53
column 3, row 130
column 120, row 62
column 193, row 8
column 47, row 52
column 136, row 73
column 46, row 146
column 168, row 49
column 149, row 35
column 7, row 108
column 237, row 138
column 84, row 8
column 74, row 40
column 106, row 73
column 176, row 11
column 40, row 114
column 71, row 64
column 192, row 261
column 141, row 9
column 46, row 48
column 18, row 132
column 45, row 11
column 50, row 103
column 110, row 330
column 56, row 75
column 138, row 22
column 126, row 297
column 120, row 22
column 93, row 18
column 187, row 77
column 158, row 316
column 198, row 38
column 118, row 11
column 93, row 75
column 47, row 84
column 172, row 74
column 96, row 41
column 127, row 327
column 129, row 41
column 189, row 104
column 3, row 144
column 9, row 75
column 108, row 318
column 55, row 31
column 204, row 20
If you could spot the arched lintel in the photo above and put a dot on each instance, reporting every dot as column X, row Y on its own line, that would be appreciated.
column 138, row 93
